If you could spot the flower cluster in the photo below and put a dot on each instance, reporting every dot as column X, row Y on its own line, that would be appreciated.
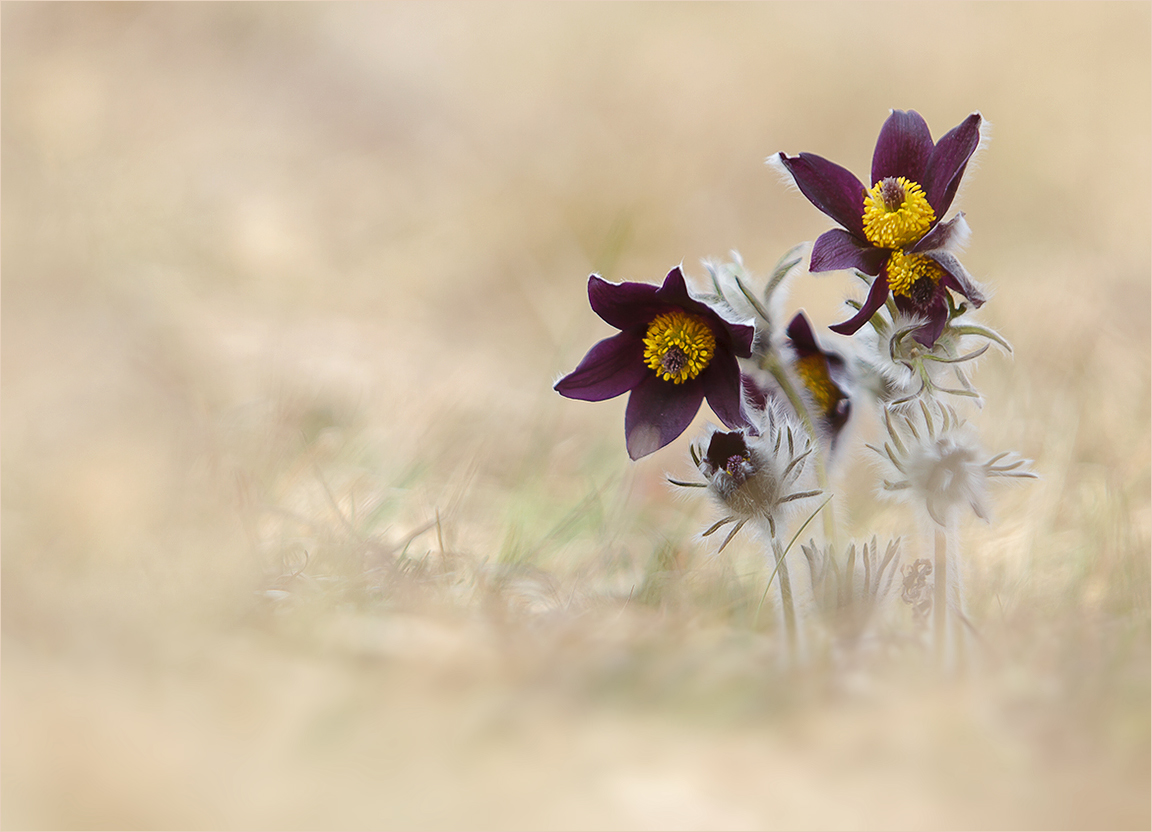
column 786, row 398
column 892, row 230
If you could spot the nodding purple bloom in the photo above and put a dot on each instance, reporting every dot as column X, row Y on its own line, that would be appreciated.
column 824, row 375
column 893, row 230
column 672, row 351
column 728, row 452
column 751, row 475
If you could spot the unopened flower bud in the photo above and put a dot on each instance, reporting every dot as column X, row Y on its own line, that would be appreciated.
column 753, row 477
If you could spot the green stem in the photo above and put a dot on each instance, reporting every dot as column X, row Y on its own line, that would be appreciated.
column 772, row 364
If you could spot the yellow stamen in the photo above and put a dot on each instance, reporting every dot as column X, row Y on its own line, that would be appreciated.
column 678, row 346
column 896, row 213
column 907, row 270
column 813, row 371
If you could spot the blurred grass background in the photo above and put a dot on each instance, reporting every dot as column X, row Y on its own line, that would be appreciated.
column 296, row 533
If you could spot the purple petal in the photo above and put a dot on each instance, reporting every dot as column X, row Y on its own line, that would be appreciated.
column 674, row 290
column 723, row 446
column 742, row 338
column 837, row 249
column 757, row 393
column 903, row 148
column 957, row 279
column 927, row 334
column 658, row 411
column 838, row 417
column 943, row 235
column 801, row 334
column 623, row 305
column 724, row 391
column 877, row 294
column 935, row 312
column 949, row 158
column 613, row 366
column 834, row 190
column 735, row 337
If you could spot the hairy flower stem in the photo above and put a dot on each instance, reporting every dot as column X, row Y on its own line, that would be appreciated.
column 948, row 605
column 772, row 364
column 940, row 599
column 786, row 601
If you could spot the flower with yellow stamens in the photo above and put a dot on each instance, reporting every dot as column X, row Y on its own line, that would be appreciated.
column 824, row 375
column 896, row 213
column 914, row 181
column 671, row 353
column 678, row 346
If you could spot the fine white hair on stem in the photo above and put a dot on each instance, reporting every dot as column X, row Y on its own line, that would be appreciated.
column 732, row 283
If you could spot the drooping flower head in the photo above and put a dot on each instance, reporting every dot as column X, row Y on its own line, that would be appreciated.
column 671, row 353
column 901, row 369
column 824, row 374
column 893, row 230
column 824, row 381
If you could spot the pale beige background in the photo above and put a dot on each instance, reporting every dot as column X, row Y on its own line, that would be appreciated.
column 285, row 285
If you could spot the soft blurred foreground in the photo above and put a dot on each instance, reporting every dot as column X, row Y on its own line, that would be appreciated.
column 297, row 535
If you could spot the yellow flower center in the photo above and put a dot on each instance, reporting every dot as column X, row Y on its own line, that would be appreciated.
column 813, row 371
column 913, row 276
column 678, row 346
column 896, row 213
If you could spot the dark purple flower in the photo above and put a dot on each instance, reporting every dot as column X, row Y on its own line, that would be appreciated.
column 728, row 452
column 893, row 230
column 672, row 351
column 823, row 373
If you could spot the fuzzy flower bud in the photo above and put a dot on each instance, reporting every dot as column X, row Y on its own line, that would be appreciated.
column 907, row 369
column 753, row 476
column 939, row 462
